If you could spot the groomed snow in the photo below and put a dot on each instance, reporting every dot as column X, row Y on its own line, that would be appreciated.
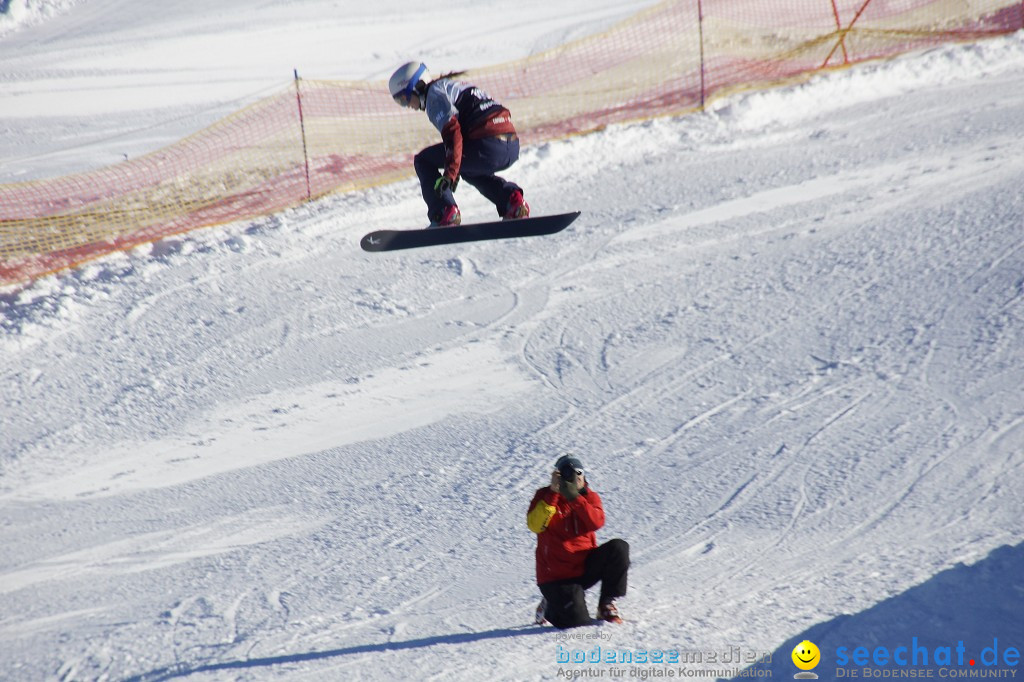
column 786, row 338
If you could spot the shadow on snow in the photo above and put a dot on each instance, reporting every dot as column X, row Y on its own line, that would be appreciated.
column 980, row 606
column 183, row 670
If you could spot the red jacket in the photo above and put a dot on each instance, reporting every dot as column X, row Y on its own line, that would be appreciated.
column 568, row 536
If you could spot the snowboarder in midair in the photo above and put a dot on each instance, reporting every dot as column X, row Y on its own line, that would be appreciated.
column 565, row 516
column 478, row 140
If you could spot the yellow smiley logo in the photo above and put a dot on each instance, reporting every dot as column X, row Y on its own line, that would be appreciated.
column 806, row 655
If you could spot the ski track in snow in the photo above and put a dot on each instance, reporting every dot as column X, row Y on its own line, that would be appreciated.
column 785, row 340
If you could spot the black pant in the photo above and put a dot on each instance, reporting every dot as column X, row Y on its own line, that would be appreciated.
column 481, row 159
column 567, row 604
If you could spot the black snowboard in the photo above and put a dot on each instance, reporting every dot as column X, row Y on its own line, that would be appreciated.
column 392, row 240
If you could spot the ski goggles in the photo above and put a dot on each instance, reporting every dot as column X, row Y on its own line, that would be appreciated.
column 405, row 96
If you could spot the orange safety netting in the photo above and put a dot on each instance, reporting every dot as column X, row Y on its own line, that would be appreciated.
column 323, row 136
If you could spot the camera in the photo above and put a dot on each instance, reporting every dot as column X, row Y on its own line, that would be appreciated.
column 568, row 471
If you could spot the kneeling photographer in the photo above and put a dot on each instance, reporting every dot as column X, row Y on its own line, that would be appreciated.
column 565, row 515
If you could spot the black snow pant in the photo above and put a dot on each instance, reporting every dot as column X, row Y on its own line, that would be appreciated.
column 481, row 159
column 567, row 604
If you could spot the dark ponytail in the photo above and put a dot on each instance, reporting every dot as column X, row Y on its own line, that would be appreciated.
column 450, row 74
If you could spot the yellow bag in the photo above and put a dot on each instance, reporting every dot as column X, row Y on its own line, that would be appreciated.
column 540, row 516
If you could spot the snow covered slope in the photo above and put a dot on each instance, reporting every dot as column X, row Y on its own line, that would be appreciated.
column 785, row 338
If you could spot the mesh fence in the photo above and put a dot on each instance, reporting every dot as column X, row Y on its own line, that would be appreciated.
column 322, row 136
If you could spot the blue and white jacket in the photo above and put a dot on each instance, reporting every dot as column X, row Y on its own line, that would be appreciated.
column 463, row 111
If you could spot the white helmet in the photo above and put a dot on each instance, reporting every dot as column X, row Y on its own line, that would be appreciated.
column 405, row 81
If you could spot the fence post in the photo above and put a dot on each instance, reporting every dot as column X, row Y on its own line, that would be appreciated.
column 842, row 35
column 839, row 32
column 302, row 126
column 700, row 28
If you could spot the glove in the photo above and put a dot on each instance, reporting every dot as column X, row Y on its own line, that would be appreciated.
column 443, row 183
column 569, row 489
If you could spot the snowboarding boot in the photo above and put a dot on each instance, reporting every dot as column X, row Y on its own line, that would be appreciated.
column 517, row 207
column 450, row 217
